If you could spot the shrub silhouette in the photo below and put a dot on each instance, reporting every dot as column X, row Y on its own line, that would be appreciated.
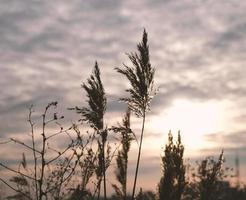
column 52, row 168
column 210, row 174
column 172, row 183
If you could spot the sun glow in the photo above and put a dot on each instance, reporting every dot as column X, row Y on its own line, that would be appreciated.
column 193, row 119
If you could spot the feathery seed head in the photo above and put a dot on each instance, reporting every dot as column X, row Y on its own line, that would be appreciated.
column 141, row 77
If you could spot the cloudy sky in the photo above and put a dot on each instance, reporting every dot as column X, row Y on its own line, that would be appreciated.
column 47, row 48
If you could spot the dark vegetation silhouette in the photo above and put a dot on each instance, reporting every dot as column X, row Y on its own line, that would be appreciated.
column 76, row 170
column 94, row 116
column 141, row 78
column 126, row 136
column 173, row 181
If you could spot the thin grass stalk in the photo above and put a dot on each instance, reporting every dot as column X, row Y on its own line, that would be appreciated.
column 104, row 173
column 40, row 181
column 34, row 152
column 99, row 188
column 138, row 159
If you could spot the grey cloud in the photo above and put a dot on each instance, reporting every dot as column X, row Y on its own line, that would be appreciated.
column 241, row 118
column 75, row 31
column 14, row 111
column 228, row 139
column 115, row 106
column 232, row 36
column 149, row 164
column 232, row 143
column 230, row 154
column 176, row 89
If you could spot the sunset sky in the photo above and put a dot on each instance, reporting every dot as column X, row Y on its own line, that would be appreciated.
column 49, row 47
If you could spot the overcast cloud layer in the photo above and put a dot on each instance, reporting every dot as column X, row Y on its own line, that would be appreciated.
column 47, row 48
